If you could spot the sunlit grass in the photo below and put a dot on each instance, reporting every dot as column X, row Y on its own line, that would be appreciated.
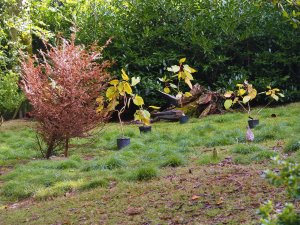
column 96, row 162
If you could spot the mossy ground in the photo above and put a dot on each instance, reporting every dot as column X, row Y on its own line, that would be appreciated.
column 169, row 176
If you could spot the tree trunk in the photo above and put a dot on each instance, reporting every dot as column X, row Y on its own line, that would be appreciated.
column 50, row 149
column 66, row 148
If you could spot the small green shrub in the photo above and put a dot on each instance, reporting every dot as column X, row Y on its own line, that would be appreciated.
column 68, row 164
column 144, row 173
column 94, row 184
column 173, row 160
column 208, row 159
column 262, row 155
column 246, row 149
column 293, row 145
column 113, row 163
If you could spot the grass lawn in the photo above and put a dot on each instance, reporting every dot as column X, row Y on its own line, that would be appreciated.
column 169, row 176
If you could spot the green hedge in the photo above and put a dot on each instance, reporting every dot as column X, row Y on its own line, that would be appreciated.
column 227, row 41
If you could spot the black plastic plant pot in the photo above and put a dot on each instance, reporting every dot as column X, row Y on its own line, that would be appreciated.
column 253, row 123
column 183, row 119
column 145, row 129
column 123, row 142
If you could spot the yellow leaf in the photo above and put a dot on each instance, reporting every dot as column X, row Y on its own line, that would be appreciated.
column 188, row 82
column 269, row 92
column 167, row 90
column 189, row 69
column 276, row 89
column 188, row 75
column 236, row 99
column 127, row 88
column 173, row 69
column 269, row 87
column 111, row 93
column 241, row 92
column 114, row 82
column 135, row 81
column 253, row 93
column 181, row 75
column 281, row 95
column 239, row 85
column 179, row 95
column 228, row 94
column 100, row 100
column 124, row 75
column 99, row 108
column 246, row 99
column 138, row 100
column 112, row 105
column 228, row 104
column 187, row 94
column 154, row 107
column 182, row 60
column 275, row 97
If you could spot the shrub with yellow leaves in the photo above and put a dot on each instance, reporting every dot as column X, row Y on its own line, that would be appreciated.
column 245, row 93
column 121, row 90
column 183, row 72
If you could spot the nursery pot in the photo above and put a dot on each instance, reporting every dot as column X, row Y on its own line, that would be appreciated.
column 145, row 129
column 183, row 119
column 253, row 123
column 123, row 142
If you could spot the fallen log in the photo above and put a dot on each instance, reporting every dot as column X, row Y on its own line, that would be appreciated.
column 202, row 103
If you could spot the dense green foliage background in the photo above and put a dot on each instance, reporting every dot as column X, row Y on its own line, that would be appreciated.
column 227, row 41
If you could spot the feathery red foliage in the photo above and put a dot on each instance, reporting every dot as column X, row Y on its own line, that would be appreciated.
column 62, row 87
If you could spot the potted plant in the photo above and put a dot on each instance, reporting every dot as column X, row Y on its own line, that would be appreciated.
column 244, row 94
column 183, row 73
column 121, row 90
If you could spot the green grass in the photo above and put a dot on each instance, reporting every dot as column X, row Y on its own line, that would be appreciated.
column 96, row 163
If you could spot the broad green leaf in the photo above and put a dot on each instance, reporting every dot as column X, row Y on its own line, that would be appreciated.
column 138, row 100
column 167, row 90
column 114, row 82
column 124, row 75
column 246, row 99
column 228, row 104
column 135, row 81
column 182, row 60
column 228, row 94
column 154, row 107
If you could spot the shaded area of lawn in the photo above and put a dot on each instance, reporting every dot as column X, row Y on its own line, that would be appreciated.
column 214, row 194
column 96, row 167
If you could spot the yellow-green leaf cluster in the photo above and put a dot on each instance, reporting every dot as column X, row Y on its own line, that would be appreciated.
column 143, row 116
column 274, row 93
